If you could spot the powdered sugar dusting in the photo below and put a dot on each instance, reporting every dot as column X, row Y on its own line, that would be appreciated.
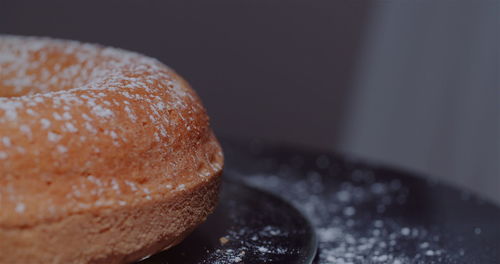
column 57, row 97
column 47, row 75
column 333, row 215
column 250, row 240
column 20, row 207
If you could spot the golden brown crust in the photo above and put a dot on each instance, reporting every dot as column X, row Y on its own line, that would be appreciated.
column 93, row 138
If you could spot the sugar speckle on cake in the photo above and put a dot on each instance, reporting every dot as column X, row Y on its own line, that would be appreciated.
column 62, row 149
column 113, row 134
column 70, row 127
column 6, row 142
column 115, row 186
column 25, row 129
column 132, row 185
column 30, row 112
column 45, row 123
column 66, row 116
column 20, row 207
column 53, row 137
column 57, row 116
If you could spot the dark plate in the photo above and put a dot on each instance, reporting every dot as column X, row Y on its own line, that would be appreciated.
column 362, row 213
column 365, row 213
column 249, row 226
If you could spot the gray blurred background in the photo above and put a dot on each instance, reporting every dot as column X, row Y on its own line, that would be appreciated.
column 410, row 84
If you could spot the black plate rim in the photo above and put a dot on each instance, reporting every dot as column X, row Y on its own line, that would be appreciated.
column 314, row 237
